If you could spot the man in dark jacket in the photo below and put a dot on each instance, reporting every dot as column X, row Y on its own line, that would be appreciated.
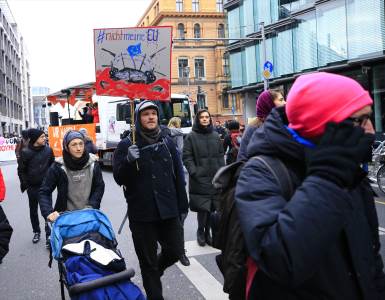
column 33, row 165
column 323, row 243
column 152, row 175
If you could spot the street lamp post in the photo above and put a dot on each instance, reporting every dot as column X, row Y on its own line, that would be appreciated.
column 265, row 80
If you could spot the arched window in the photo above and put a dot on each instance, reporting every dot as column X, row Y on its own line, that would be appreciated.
column 221, row 31
column 197, row 31
column 181, row 30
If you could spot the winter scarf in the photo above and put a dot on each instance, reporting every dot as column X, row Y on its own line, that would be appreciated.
column 75, row 164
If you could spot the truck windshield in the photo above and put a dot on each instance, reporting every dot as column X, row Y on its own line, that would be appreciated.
column 176, row 108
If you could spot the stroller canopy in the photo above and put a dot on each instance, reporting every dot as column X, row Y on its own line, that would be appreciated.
column 76, row 223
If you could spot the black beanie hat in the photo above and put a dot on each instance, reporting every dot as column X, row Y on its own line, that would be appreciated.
column 34, row 134
column 24, row 134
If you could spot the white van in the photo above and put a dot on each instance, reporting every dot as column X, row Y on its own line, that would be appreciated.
column 115, row 119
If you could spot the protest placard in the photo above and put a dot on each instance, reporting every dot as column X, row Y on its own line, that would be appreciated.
column 133, row 62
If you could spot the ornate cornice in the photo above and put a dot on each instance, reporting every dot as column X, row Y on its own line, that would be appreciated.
column 187, row 15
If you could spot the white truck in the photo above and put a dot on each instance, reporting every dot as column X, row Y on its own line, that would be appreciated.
column 115, row 119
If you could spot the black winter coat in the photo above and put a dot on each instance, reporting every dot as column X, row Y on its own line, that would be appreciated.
column 5, row 234
column 33, row 165
column 57, row 178
column 322, row 244
column 156, row 189
column 202, row 155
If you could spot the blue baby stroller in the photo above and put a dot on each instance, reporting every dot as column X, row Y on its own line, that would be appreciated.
column 90, row 265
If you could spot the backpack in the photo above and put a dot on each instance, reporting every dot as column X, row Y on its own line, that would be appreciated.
column 227, row 233
column 235, row 143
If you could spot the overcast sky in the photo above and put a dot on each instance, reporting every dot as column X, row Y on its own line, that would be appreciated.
column 59, row 35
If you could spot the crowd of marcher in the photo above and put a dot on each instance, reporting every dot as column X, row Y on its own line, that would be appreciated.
column 315, row 237
column 90, row 113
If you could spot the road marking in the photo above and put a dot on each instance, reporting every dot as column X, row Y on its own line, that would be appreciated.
column 193, row 249
column 380, row 202
column 202, row 279
column 381, row 230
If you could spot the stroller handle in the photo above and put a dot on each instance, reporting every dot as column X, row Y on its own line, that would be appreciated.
column 100, row 282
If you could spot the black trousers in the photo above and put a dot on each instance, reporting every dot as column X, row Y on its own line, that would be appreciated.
column 33, row 197
column 146, row 235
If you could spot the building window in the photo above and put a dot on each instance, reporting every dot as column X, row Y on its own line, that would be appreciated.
column 219, row 5
column 197, row 31
column 331, row 32
column 234, row 102
column 183, row 68
column 236, row 69
column 156, row 9
column 221, row 31
column 225, row 101
column 365, row 35
column 234, row 22
column 199, row 68
column 195, row 5
column 305, row 43
column 179, row 5
column 181, row 30
column 226, row 67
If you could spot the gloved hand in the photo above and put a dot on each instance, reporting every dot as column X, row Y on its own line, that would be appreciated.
column 338, row 155
column 133, row 153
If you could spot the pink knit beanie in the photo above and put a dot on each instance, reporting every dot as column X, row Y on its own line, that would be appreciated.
column 319, row 98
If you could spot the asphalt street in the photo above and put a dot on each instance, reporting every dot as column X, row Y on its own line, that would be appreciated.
column 24, row 273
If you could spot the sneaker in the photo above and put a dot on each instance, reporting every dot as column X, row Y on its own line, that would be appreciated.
column 184, row 260
column 36, row 237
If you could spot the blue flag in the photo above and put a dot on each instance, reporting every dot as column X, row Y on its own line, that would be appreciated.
column 134, row 50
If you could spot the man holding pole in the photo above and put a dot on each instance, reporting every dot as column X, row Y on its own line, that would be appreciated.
column 151, row 173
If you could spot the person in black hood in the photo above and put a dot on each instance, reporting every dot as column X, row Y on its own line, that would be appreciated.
column 321, row 241
column 77, row 177
column 33, row 165
column 152, row 176
column 203, row 155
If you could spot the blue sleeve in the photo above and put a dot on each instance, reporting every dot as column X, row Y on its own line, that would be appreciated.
column 278, row 233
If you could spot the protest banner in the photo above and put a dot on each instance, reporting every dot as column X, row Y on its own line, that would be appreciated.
column 56, row 135
column 133, row 62
column 7, row 149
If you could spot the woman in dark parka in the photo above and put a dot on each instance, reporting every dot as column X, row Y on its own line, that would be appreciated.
column 203, row 156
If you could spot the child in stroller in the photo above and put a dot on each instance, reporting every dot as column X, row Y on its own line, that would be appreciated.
column 90, row 265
